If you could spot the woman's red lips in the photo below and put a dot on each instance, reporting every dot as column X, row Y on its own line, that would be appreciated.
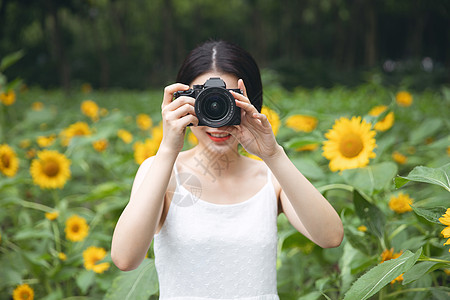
column 219, row 136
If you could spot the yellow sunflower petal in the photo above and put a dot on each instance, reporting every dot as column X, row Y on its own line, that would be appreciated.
column 445, row 219
column 9, row 163
column 349, row 144
column 50, row 170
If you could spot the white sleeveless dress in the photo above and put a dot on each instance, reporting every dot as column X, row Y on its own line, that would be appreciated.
column 218, row 251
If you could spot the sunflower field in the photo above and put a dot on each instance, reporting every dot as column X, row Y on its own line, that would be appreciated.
column 380, row 155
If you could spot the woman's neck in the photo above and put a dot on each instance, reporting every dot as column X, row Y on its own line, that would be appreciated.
column 214, row 164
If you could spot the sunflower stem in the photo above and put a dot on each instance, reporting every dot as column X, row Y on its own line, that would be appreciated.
column 396, row 293
column 36, row 206
column 57, row 237
column 434, row 260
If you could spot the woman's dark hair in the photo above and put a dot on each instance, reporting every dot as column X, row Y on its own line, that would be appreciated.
column 221, row 56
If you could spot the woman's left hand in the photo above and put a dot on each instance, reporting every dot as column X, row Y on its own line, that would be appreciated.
column 255, row 132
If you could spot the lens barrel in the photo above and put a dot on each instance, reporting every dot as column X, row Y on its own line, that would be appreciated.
column 216, row 107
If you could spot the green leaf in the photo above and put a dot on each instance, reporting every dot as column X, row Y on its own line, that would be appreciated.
column 311, row 296
column 369, row 214
column 438, row 176
column 420, row 269
column 431, row 214
column 309, row 168
column 138, row 284
column 440, row 292
column 426, row 129
column 10, row 59
column 371, row 178
column 356, row 239
column 378, row 277
column 84, row 280
column 303, row 141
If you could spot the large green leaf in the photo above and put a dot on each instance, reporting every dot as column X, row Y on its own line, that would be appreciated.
column 439, row 176
column 138, row 284
column 85, row 279
column 420, row 269
column 370, row 214
column 376, row 278
column 426, row 129
column 431, row 214
column 371, row 178
column 309, row 168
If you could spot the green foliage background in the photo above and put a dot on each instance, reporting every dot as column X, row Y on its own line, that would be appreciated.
column 100, row 187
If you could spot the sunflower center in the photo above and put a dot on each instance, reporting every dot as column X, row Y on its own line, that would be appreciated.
column 75, row 228
column 351, row 145
column 25, row 295
column 6, row 160
column 51, row 168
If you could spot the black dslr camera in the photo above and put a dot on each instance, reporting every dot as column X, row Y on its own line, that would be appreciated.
column 214, row 104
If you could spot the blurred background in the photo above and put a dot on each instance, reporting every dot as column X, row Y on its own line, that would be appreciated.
column 81, row 83
column 140, row 44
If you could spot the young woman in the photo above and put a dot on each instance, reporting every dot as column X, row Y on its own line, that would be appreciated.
column 213, row 212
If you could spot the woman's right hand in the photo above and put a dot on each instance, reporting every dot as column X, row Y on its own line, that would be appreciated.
column 176, row 115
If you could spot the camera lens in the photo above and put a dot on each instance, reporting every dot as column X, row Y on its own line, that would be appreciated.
column 214, row 107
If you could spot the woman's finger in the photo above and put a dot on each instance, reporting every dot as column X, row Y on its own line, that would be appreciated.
column 241, row 86
column 246, row 106
column 177, row 103
column 263, row 118
column 240, row 97
column 170, row 90
column 181, row 111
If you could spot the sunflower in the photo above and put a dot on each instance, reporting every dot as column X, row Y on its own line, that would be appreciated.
column 403, row 98
column 362, row 228
column 9, row 163
column 252, row 156
column 37, row 106
column 76, row 129
column 91, row 256
column 144, row 150
column 157, row 133
column 302, row 123
column 90, row 108
column 445, row 219
column 273, row 118
column 192, row 139
column 46, row 141
column 399, row 158
column 52, row 215
column 23, row 292
column 62, row 256
column 387, row 121
column 388, row 255
column 50, row 170
column 400, row 203
column 100, row 145
column 125, row 136
column 76, row 228
column 144, row 122
column 25, row 143
column 350, row 144
column 308, row 147
column 8, row 98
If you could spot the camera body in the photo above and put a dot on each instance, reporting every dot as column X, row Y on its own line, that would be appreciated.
column 214, row 105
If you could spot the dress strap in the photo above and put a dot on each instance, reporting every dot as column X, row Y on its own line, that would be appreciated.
column 177, row 178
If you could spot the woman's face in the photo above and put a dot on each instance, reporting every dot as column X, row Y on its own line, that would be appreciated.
column 215, row 139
